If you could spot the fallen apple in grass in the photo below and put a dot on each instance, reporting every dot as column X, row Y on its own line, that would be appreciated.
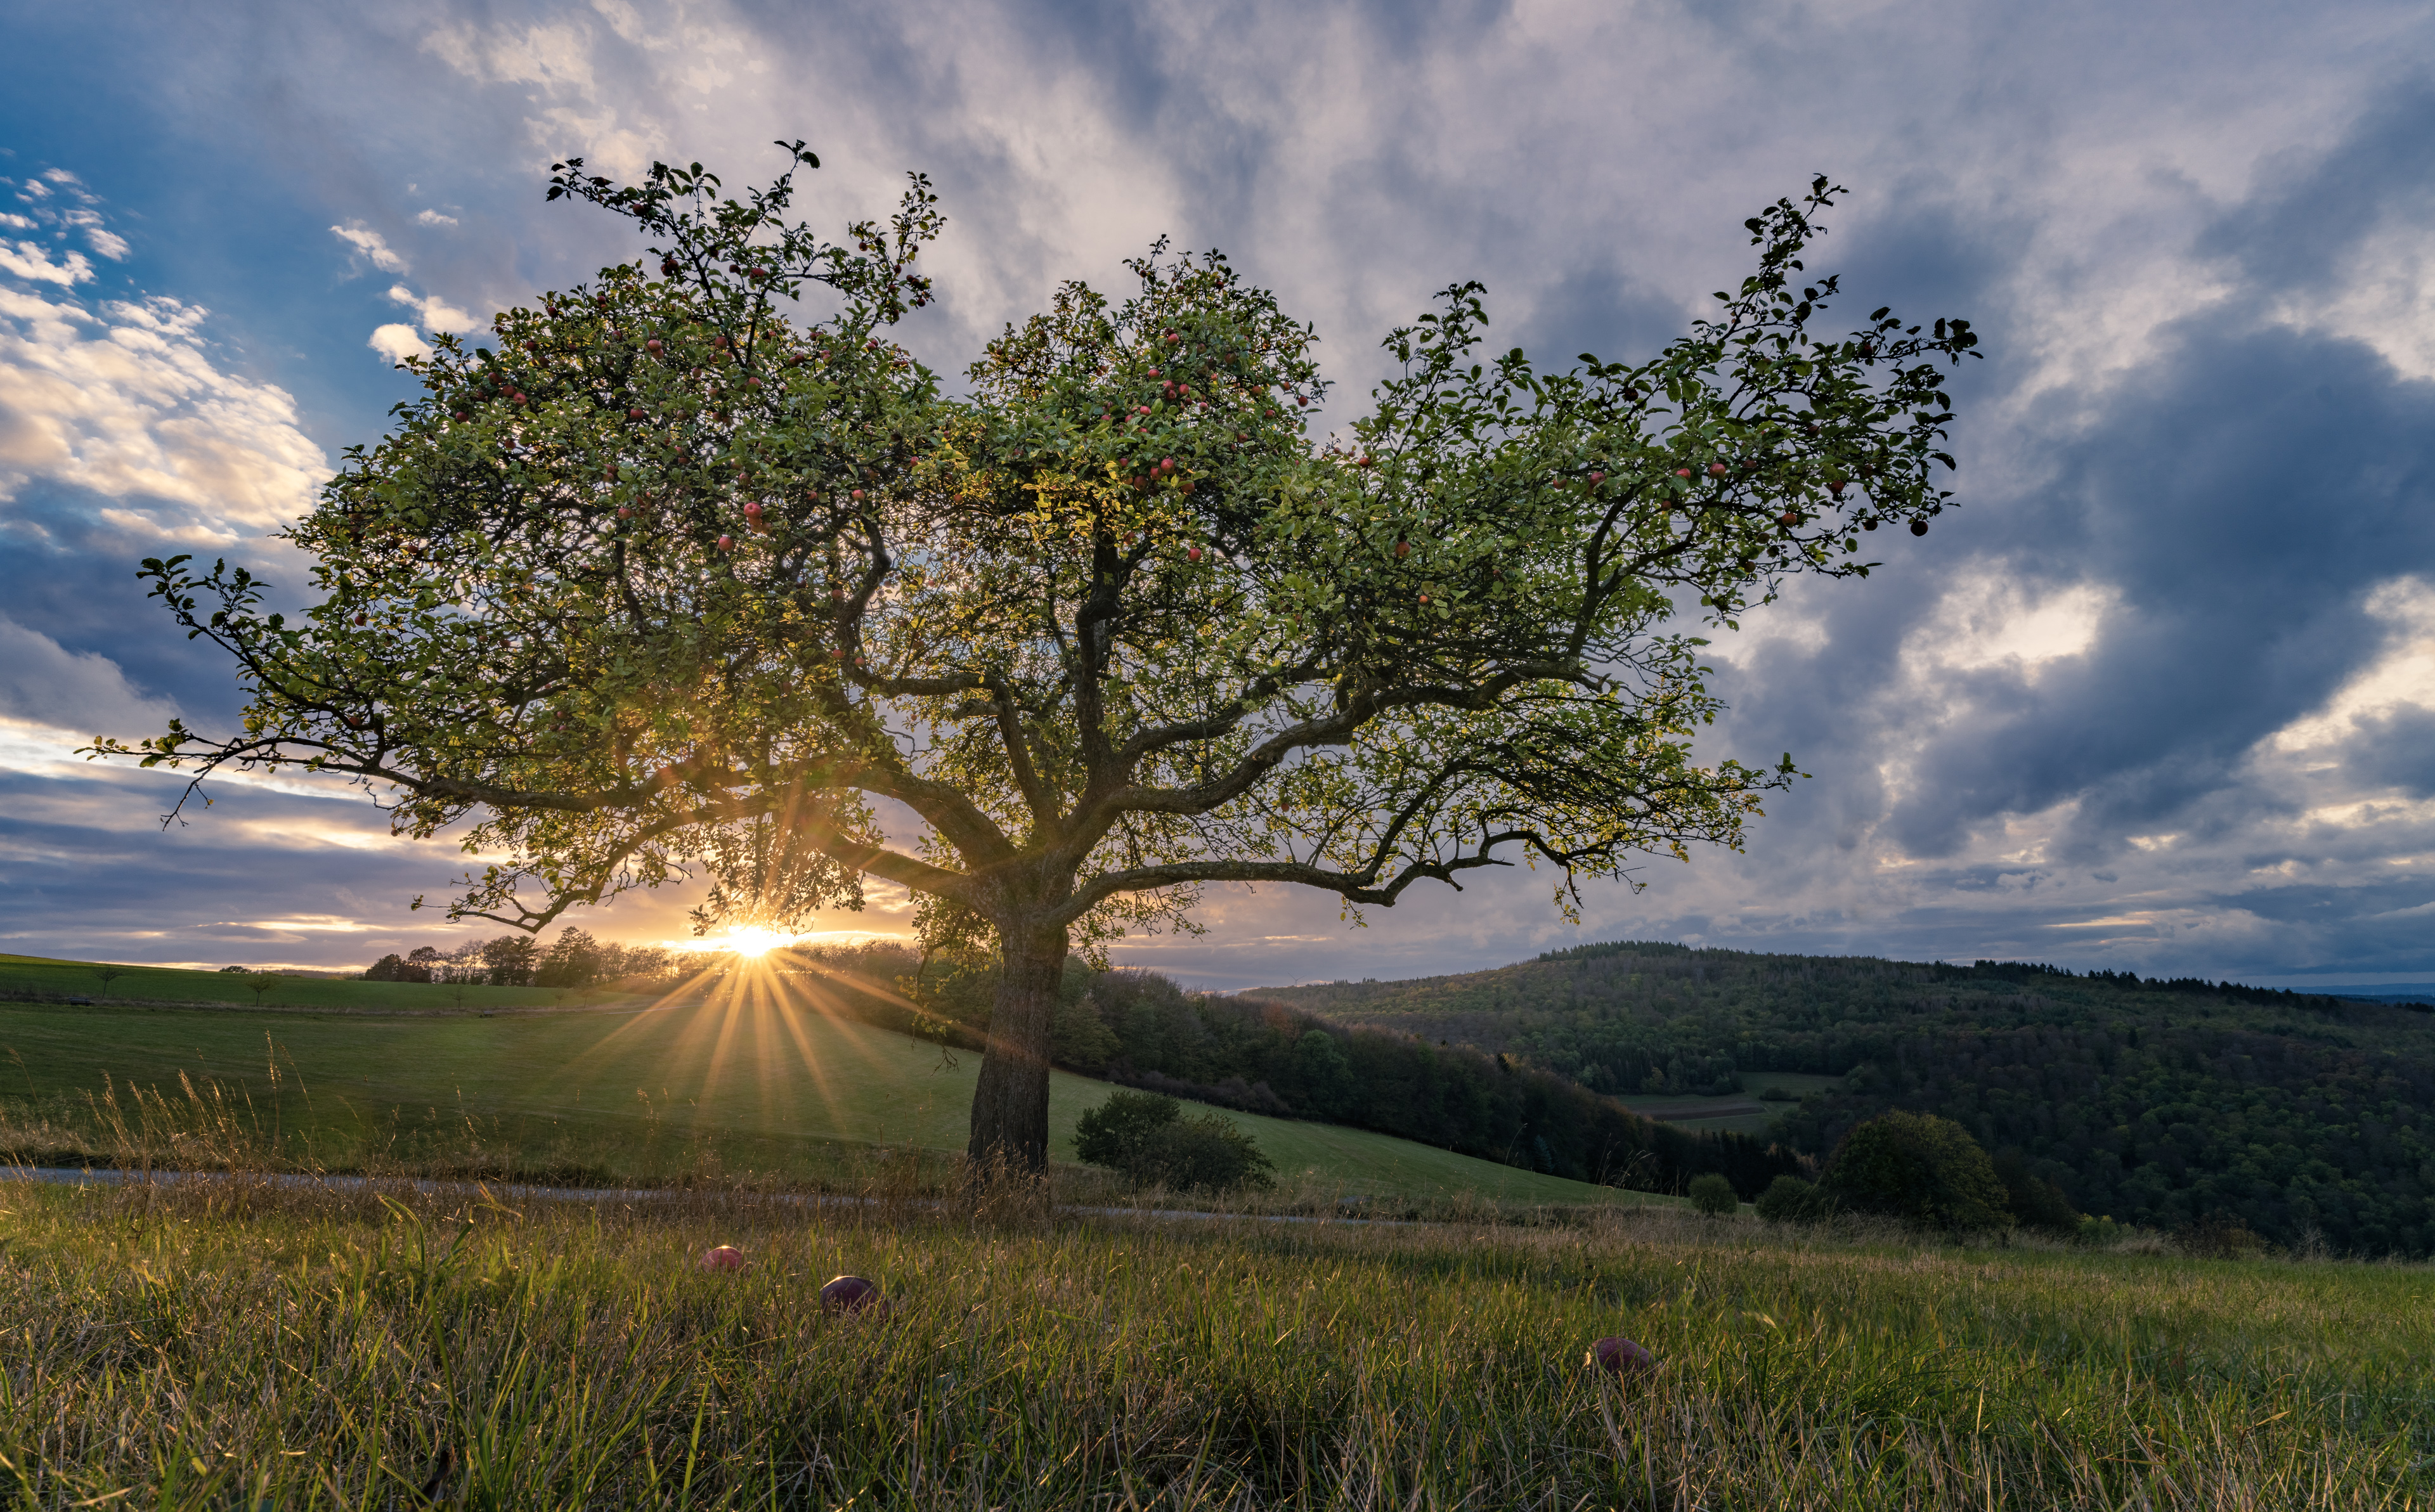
column 847, row 1295
column 1620, row 1357
column 722, row 1257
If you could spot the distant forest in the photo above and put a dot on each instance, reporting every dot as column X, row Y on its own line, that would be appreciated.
column 2167, row 1102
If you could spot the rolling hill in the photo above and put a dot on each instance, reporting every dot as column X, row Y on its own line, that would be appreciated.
column 2165, row 1103
column 731, row 1078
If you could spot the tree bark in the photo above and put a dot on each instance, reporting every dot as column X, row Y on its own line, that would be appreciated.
column 1010, row 1104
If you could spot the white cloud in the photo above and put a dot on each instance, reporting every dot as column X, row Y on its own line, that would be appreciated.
column 2385, row 299
column 1987, row 621
column 108, row 242
column 31, row 261
column 127, row 401
column 626, row 22
column 438, row 313
column 44, row 685
column 371, row 245
column 560, row 59
column 433, row 217
column 397, row 343
column 15, row 222
column 556, row 56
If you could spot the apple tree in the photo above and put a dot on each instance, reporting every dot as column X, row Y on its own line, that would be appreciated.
column 693, row 572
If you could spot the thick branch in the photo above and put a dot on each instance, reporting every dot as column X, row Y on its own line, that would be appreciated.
column 1358, row 888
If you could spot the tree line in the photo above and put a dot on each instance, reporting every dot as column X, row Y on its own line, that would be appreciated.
column 2171, row 1103
column 574, row 959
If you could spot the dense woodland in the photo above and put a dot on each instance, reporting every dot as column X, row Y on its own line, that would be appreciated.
column 1139, row 1029
column 2163, row 1102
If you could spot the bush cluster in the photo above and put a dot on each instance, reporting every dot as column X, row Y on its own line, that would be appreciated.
column 1147, row 1136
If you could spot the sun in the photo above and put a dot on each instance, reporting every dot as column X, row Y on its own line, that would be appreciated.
column 752, row 942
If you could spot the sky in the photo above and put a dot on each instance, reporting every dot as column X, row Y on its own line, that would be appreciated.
column 2160, row 697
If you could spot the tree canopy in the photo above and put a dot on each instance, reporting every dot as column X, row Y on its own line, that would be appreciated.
column 1921, row 1167
column 674, row 580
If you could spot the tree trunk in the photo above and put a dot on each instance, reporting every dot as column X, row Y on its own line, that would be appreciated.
column 1010, row 1105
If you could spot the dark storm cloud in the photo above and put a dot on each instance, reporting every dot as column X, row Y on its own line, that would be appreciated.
column 73, row 575
column 2243, row 493
column 2315, row 208
column 2395, row 749
column 88, row 861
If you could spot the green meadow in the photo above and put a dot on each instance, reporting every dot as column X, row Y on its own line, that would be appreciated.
column 249, row 1339
column 232, row 1344
column 40, row 978
column 741, row 1079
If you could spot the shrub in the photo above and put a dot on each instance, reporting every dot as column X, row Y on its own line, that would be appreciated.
column 2103, row 1233
column 1789, row 1199
column 1205, row 1154
column 1111, row 1133
column 1712, row 1194
column 2219, row 1235
column 1920, row 1167
column 1145, row 1136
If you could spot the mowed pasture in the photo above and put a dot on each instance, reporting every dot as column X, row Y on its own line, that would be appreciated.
column 223, row 1345
column 740, row 1080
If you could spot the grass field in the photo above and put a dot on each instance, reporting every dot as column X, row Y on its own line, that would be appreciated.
column 1741, row 1113
column 38, row 977
column 228, row 1347
column 734, row 1086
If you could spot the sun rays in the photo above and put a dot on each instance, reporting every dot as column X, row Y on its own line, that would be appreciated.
column 752, row 943
column 751, row 1039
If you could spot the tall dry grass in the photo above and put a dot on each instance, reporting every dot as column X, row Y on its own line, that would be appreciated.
column 246, row 1342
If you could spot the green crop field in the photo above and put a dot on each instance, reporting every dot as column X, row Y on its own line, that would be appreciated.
column 217, row 1345
column 729, row 1082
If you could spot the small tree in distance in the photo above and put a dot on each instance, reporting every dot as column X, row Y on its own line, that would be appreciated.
column 1920, row 1167
column 1713, row 1194
column 665, row 583
column 260, row 985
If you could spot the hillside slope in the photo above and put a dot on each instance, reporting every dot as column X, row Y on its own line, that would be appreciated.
column 2161, row 1103
column 622, row 1093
